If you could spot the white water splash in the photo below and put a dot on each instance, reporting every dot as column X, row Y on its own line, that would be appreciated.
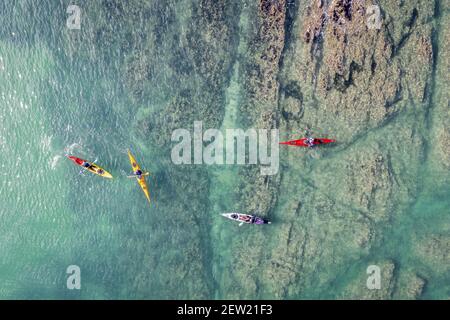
column 55, row 162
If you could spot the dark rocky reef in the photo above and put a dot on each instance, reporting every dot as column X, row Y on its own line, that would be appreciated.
column 344, row 80
column 362, row 72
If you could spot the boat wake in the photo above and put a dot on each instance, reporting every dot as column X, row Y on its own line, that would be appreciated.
column 67, row 150
column 72, row 147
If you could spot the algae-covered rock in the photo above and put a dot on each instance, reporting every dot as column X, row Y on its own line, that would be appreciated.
column 261, row 66
column 409, row 286
column 368, row 184
column 444, row 146
column 441, row 107
column 285, row 263
column 434, row 251
column 355, row 76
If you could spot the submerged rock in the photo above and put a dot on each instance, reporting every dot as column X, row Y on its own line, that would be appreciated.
column 357, row 76
column 444, row 146
column 409, row 286
column 434, row 251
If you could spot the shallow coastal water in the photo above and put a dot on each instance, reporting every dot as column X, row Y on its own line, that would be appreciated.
column 138, row 69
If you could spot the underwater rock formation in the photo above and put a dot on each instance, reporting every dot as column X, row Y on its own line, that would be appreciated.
column 343, row 79
column 441, row 101
column 174, row 90
column 444, row 145
column 435, row 252
column 361, row 75
column 260, row 69
column 315, row 64
column 409, row 286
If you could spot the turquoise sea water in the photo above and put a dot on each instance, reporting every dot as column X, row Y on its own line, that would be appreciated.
column 68, row 91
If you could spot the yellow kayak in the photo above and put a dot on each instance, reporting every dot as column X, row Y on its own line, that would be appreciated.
column 141, row 179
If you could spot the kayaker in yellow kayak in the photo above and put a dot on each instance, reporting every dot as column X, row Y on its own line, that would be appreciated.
column 139, row 175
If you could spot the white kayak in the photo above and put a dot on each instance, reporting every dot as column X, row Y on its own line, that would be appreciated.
column 245, row 218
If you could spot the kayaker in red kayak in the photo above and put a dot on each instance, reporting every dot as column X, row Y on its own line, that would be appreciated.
column 311, row 142
column 308, row 142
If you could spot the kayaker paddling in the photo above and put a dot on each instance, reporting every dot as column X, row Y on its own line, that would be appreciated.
column 86, row 165
column 308, row 141
column 139, row 175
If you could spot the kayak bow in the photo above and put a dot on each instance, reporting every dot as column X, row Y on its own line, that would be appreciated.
column 95, row 169
column 301, row 142
column 141, row 180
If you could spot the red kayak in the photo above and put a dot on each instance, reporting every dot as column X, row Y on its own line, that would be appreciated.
column 301, row 142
